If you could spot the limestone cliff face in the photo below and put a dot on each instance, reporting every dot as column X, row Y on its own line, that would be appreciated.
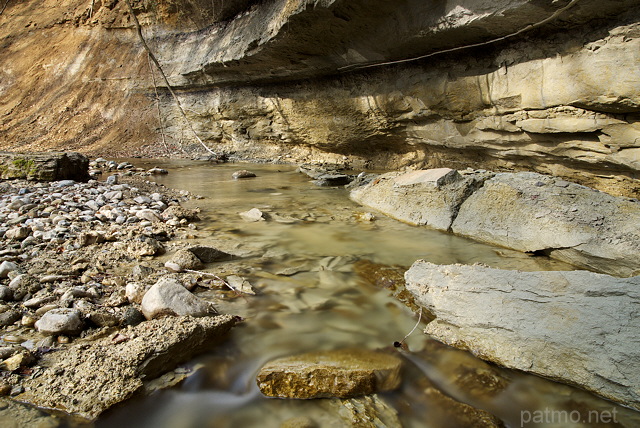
column 549, row 86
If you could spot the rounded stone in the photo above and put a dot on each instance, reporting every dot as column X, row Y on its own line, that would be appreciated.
column 60, row 321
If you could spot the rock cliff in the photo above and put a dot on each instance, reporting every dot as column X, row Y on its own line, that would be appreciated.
column 539, row 85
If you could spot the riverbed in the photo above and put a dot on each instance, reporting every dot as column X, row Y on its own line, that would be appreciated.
column 305, row 262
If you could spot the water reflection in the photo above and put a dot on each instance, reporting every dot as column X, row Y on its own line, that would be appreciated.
column 311, row 298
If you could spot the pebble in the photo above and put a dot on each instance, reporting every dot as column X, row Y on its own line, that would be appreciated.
column 6, row 267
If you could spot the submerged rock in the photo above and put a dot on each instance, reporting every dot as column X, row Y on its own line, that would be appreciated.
column 210, row 254
column 169, row 297
column 87, row 379
column 341, row 373
column 575, row 327
column 253, row 215
column 242, row 174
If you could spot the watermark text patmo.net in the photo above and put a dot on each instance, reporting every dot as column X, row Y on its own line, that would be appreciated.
column 552, row 416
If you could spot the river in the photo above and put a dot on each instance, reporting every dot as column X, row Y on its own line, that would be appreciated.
column 304, row 263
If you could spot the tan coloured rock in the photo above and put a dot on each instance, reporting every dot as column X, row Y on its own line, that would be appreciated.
column 575, row 327
column 87, row 379
column 341, row 373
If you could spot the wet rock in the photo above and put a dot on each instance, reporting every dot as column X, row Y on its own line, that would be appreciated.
column 169, row 297
column 575, row 327
column 186, row 260
column 210, row 254
column 44, row 166
column 342, row 373
column 240, row 284
column 9, row 317
column 460, row 414
column 7, row 267
column 60, row 321
column 242, row 174
column 365, row 412
column 158, row 171
column 132, row 316
column 112, row 179
column 253, row 215
column 87, row 379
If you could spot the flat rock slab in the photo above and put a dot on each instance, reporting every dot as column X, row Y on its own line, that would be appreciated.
column 569, row 222
column 524, row 211
column 342, row 373
column 576, row 327
column 88, row 378
column 421, row 198
column 52, row 166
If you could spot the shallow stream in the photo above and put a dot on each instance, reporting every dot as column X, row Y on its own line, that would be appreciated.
column 306, row 262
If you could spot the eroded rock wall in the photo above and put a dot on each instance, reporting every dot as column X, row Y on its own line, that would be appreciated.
column 549, row 86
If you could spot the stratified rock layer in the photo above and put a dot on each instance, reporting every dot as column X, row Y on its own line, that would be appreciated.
column 342, row 373
column 87, row 379
column 575, row 327
column 543, row 85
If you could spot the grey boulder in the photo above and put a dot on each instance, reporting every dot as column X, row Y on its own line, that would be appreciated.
column 575, row 327
column 169, row 297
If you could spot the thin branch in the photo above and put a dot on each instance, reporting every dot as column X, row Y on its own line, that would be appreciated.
column 164, row 76
column 399, row 344
column 459, row 48
column 4, row 7
column 155, row 88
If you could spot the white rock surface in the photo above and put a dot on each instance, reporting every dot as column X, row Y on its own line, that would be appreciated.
column 421, row 198
column 576, row 327
column 537, row 213
column 60, row 321
column 169, row 297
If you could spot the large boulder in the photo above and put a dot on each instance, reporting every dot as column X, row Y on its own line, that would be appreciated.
column 342, row 373
column 546, row 215
column 576, row 327
column 421, row 198
column 169, row 297
column 44, row 166
column 87, row 379
column 525, row 211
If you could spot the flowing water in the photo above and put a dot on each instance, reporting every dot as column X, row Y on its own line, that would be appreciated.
column 311, row 296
